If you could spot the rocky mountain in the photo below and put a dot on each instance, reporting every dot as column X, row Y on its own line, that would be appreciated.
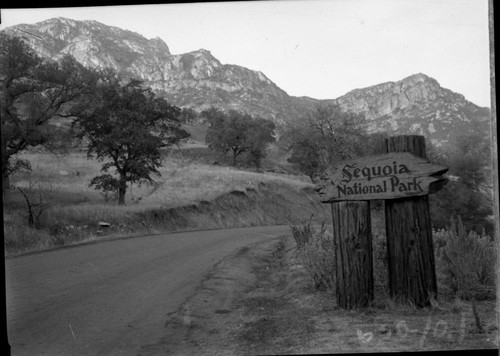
column 414, row 105
column 195, row 79
column 417, row 105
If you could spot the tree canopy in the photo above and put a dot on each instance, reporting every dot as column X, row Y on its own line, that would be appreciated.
column 327, row 136
column 32, row 92
column 238, row 133
column 127, row 128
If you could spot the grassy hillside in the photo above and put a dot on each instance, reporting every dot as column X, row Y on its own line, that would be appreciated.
column 187, row 195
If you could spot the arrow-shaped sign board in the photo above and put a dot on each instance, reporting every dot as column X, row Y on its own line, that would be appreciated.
column 388, row 176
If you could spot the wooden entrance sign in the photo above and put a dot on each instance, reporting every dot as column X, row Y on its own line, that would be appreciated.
column 403, row 177
column 382, row 177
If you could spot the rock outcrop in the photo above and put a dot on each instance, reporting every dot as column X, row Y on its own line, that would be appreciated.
column 417, row 105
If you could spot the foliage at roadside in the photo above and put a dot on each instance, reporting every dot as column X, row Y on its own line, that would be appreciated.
column 302, row 233
column 316, row 253
column 466, row 261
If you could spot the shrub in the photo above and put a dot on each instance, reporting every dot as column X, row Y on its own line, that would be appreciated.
column 316, row 254
column 467, row 261
column 39, row 198
column 108, row 186
column 302, row 233
column 20, row 238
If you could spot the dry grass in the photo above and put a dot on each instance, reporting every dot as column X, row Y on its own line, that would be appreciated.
column 181, row 182
column 74, row 205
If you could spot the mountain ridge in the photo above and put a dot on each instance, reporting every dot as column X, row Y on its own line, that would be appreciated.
column 416, row 104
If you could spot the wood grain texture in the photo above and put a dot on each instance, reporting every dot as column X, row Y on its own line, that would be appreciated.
column 410, row 251
column 353, row 253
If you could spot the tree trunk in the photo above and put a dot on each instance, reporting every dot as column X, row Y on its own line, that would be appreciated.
column 122, row 189
column 29, row 205
column 121, row 196
column 353, row 253
column 410, row 250
column 235, row 154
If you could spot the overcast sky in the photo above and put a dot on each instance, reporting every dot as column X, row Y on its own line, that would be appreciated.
column 317, row 48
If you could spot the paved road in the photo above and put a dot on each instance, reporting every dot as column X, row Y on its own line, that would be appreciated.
column 112, row 297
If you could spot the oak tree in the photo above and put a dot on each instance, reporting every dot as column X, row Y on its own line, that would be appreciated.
column 126, row 130
column 327, row 136
column 238, row 133
column 34, row 91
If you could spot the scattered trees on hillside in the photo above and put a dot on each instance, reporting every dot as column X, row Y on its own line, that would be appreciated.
column 32, row 92
column 327, row 136
column 128, row 126
column 237, row 133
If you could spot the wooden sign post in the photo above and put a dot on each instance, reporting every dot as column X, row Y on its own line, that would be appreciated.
column 403, row 178
column 353, row 253
column 410, row 251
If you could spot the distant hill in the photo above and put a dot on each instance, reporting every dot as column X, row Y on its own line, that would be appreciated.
column 414, row 105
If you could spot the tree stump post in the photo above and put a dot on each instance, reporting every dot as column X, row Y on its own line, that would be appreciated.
column 353, row 253
column 410, row 251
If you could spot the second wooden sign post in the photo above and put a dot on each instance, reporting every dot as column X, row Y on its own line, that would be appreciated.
column 410, row 250
column 403, row 178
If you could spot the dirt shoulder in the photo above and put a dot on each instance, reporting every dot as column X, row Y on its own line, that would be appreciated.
column 259, row 301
